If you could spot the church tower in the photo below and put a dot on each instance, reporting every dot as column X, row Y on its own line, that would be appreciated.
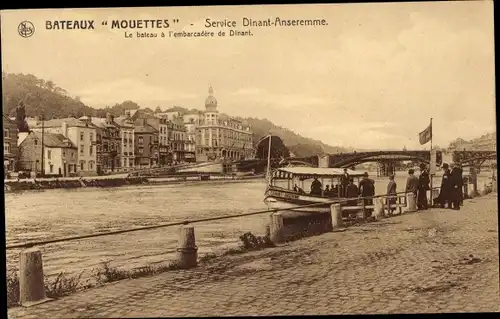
column 211, row 113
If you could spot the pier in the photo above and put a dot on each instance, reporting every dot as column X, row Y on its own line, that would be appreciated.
column 434, row 261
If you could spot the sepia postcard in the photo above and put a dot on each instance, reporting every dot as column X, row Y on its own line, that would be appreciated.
column 251, row 160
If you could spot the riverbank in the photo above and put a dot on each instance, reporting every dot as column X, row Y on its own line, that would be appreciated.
column 432, row 261
column 111, row 181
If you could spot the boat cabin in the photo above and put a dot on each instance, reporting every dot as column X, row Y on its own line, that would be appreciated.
column 304, row 180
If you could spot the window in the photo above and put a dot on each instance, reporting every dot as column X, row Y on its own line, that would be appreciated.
column 35, row 142
column 82, row 163
column 81, row 136
column 91, row 165
column 91, row 137
column 73, row 155
column 51, row 168
column 64, row 153
column 91, row 150
column 141, row 140
column 49, row 154
column 6, row 148
column 141, row 150
column 81, row 150
column 5, row 133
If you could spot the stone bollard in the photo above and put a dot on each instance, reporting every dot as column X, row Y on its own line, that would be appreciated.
column 411, row 203
column 379, row 211
column 31, row 280
column 434, row 194
column 277, row 228
column 187, row 252
column 472, row 193
column 336, row 211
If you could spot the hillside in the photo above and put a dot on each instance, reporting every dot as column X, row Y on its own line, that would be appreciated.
column 41, row 96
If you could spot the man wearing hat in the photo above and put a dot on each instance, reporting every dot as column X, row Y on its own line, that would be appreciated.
column 446, row 187
column 367, row 189
column 423, row 187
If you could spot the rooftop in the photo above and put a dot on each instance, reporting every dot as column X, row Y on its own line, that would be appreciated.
column 320, row 171
column 145, row 129
column 71, row 121
column 54, row 140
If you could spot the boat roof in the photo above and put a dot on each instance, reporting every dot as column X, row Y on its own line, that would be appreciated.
column 320, row 171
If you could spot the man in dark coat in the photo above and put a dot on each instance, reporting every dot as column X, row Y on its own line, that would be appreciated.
column 423, row 187
column 391, row 193
column 456, row 182
column 352, row 192
column 316, row 187
column 446, row 187
column 344, row 181
column 367, row 189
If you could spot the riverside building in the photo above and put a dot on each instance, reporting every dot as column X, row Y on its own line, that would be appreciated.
column 219, row 136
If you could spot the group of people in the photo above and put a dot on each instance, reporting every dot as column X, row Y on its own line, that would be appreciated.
column 418, row 186
column 450, row 196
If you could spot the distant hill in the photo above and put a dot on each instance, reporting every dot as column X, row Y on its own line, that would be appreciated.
column 42, row 96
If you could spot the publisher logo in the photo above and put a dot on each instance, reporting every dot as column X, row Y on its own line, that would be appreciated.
column 26, row 29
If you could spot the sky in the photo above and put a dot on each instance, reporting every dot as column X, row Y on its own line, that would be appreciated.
column 372, row 78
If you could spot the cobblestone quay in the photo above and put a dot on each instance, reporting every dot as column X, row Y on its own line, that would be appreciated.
column 431, row 261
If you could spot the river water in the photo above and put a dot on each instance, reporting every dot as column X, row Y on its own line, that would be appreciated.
column 49, row 214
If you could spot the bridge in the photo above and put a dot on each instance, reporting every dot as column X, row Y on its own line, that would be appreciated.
column 473, row 158
column 356, row 158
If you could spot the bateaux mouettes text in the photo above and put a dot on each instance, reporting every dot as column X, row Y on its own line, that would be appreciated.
column 70, row 24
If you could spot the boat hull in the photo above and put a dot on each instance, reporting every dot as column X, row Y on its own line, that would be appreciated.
column 285, row 200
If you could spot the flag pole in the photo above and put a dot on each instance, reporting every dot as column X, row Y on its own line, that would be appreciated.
column 431, row 134
column 432, row 175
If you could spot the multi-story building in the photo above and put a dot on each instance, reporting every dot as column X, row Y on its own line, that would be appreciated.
column 487, row 142
column 220, row 136
column 10, row 136
column 127, row 141
column 160, row 124
column 171, row 113
column 191, row 122
column 60, row 155
column 82, row 133
column 108, row 144
column 176, row 132
column 146, row 145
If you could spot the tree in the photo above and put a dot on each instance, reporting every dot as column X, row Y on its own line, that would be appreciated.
column 157, row 110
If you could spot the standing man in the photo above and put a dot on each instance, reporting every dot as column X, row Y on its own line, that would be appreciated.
column 446, row 187
column 316, row 187
column 391, row 193
column 423, row 187
column 412, row 183
column 344, row 181
column 367, row 189
column 352, row 192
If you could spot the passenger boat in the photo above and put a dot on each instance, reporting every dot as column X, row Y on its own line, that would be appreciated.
column 287, row 187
